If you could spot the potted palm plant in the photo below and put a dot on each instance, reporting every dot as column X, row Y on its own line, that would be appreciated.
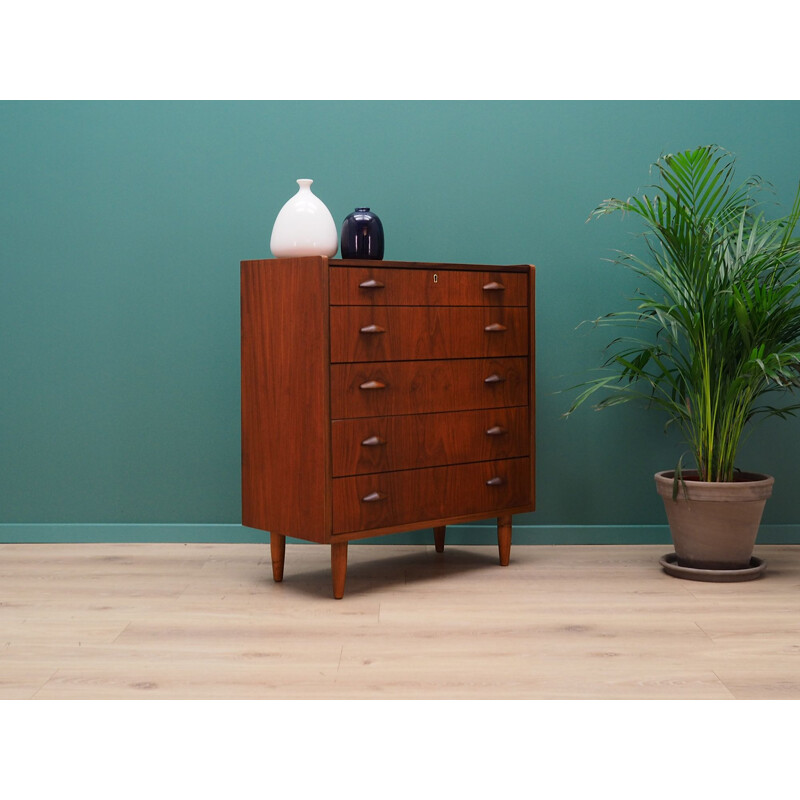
column 712, row 341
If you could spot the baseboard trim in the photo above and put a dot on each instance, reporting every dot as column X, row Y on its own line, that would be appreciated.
column 476, row 534
column 127, row 532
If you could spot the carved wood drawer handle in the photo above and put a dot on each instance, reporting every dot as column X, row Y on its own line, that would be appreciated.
column 495, row 327
column 494, row 286
column 373, row 497
column 497, row 430
column 494, row 378
column 495, row 481
column 370, row 284
column 373, row 329
column 373, row 441
column 372, row 385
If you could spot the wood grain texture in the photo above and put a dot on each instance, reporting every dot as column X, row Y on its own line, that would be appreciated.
column 451, row 519
column 419, row 341
column 436, row 266
column 206, row 621
column 416, row 287
column 410, row 441
column 338, row 568
column 415, row 387
column 362, row 333
column 277, row 546
column 504, row 539
column 370, row 501
column 532, row 375
column 285, row 397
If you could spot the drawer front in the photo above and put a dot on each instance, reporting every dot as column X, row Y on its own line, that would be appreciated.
column 362, row 502
column 418, row 387
column 350, row 286
column 382, row 444
column 361, row 333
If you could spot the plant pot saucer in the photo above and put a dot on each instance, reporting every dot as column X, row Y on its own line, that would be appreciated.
column 670, row 564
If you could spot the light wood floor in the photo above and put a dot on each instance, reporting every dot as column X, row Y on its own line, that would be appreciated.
column 207, row 621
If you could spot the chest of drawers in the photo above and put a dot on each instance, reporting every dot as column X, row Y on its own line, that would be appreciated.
column 382, row 396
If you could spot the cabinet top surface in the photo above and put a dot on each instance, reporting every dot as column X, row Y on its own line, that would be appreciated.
column 339, row 262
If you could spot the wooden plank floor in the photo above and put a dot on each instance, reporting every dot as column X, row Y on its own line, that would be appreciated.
column 206, row 621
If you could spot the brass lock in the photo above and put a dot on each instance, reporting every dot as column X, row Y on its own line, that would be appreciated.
column 435, row 278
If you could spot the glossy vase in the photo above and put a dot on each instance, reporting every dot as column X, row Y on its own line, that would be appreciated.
column 304, row 226
column 362, row 235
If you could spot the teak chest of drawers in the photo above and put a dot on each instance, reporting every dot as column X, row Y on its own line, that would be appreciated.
column 384, row 396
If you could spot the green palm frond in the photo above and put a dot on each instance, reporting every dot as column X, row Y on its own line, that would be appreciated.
column 720, row 328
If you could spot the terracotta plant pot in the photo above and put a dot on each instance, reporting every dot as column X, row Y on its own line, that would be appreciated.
column 714, row 525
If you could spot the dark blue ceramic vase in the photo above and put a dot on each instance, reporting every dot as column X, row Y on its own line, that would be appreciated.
column 362, row 235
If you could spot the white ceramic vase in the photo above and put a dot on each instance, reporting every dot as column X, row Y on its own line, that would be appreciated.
column 304, row 226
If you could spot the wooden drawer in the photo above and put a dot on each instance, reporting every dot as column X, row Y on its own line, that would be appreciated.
column 362, row 333
column 351, row 286
column 417, row 387
column 382, row 444
column 362, row 502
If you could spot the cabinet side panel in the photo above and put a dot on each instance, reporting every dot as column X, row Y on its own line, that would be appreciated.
column 286, row 397
column 532, row 379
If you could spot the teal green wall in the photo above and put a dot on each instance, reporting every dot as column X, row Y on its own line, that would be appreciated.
column 122, row 225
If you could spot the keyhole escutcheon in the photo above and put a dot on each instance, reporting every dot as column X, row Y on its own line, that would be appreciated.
column 435, row 278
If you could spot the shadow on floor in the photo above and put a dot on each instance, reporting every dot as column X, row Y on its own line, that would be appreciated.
column 370, row 571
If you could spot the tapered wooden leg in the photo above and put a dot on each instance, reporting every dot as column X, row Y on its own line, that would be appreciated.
column 438, row 538
column 339, row 568
column 277, row 546
column 504, row 539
